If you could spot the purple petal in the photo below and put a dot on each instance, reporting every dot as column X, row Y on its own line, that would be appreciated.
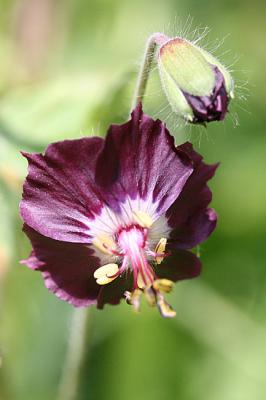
column 60, row 194
column 189, row 217
column 181, row 264
column 67, row 268
column 213, row 107
column 139, row 159
column 113, row 293
column 197, row 229
column 73, row 180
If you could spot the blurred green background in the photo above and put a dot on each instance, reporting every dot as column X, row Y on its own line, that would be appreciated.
column 68, row 69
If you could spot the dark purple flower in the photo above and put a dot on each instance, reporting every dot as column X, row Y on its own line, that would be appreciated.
column 115, row 217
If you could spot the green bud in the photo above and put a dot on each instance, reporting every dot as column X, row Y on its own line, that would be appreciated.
column 197, row 85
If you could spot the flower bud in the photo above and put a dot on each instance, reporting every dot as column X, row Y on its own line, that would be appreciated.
column 197, row 85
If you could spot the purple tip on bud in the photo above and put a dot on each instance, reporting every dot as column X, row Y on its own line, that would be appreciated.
column 213, row 107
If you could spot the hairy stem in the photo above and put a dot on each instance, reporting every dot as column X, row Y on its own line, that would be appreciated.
column 68, row 388
column 156, row 39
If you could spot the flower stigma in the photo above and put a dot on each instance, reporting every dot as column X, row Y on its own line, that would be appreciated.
column 131, row 250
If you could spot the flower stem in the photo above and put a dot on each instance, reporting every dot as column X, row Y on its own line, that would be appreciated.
column 156, row 39
column 68, row 387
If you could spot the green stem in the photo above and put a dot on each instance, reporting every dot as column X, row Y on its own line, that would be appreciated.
column 68, row 388
column 155, row 40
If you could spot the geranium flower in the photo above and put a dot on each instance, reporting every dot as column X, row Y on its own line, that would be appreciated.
column 115, row 217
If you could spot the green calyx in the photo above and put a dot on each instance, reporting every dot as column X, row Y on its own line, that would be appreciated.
column 228, row 81
column 175, row 96
column 187, row 66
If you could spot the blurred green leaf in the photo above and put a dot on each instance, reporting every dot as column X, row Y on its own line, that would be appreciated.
column 54, row 110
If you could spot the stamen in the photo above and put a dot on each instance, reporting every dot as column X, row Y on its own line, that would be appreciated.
column 150, row 296
column 105, row 244
column 134, row 299
column 128, row 295
column 160, row 250
column 163, row 285
column 143, row 219
column 106, row 274
column 164, row 308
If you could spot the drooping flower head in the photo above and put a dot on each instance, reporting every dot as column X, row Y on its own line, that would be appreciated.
column 197, row 85
column 116, row 217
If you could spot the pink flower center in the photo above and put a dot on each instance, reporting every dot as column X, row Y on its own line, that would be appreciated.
column 131, row 248
column 133, row 244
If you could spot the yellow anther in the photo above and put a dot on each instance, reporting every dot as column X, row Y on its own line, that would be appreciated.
column 105, row 274
column 143, row 219
column 150, row 296
column 128, row 296
column 160, row 249
column 104, row 280
column 163, row 285
column 106, row 270
column 135, row 299
column 164, row 308
column 104, row 243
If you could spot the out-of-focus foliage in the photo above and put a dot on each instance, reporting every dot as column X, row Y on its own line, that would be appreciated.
column 68, row 69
